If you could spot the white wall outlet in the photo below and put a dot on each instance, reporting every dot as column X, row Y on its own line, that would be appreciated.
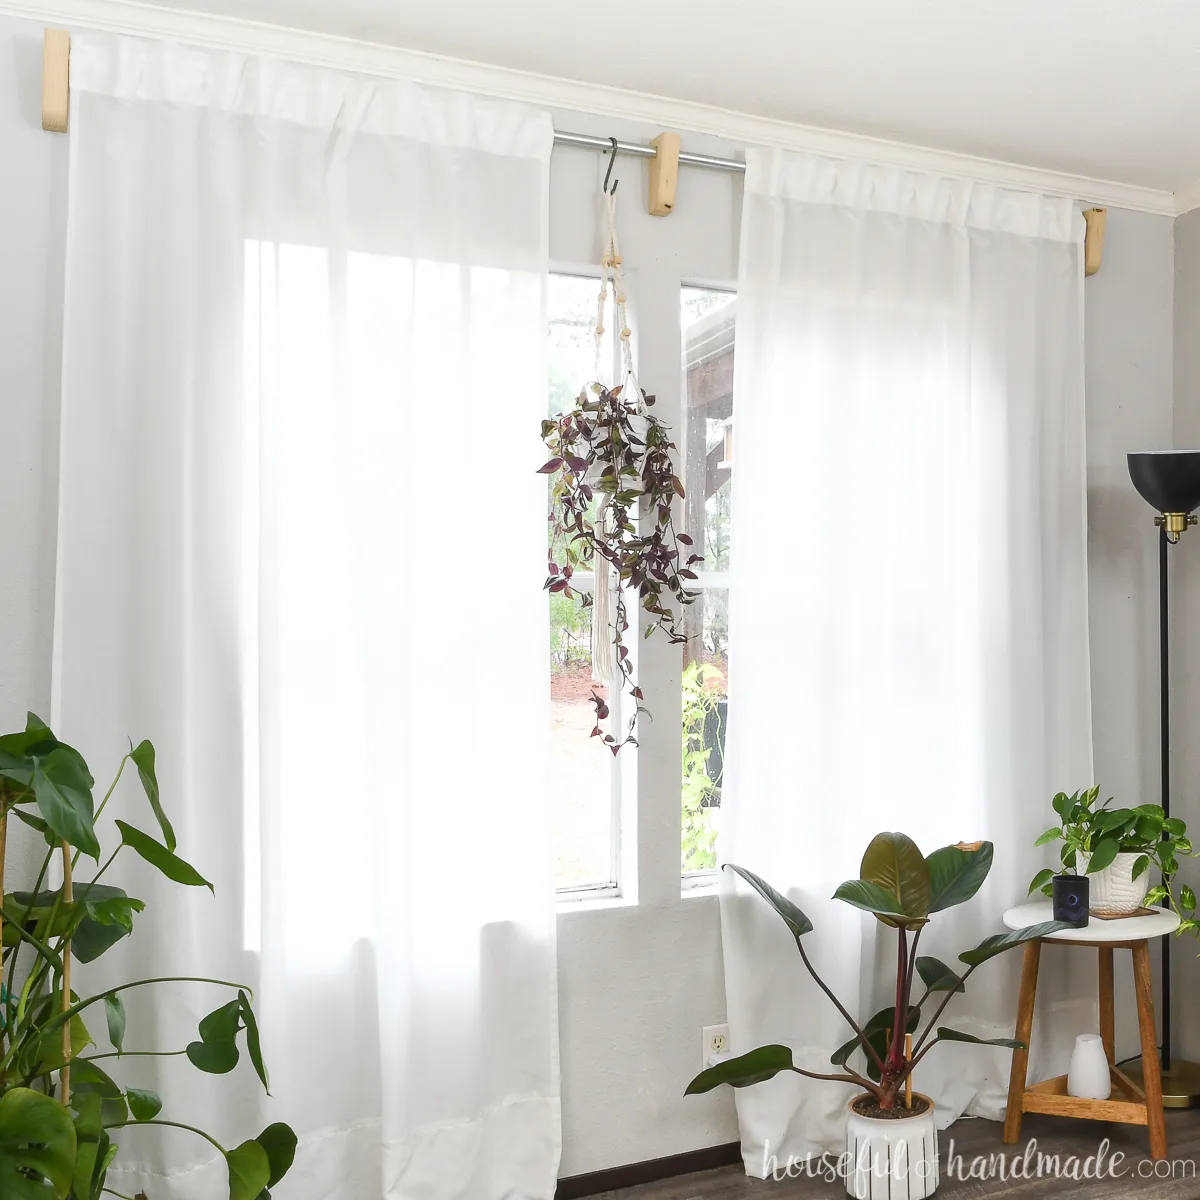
column 715, row 1044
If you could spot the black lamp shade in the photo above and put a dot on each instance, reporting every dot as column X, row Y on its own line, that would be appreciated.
column 1168, row 480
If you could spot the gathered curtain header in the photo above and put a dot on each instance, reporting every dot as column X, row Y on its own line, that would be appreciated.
column 128, row 68
column 868, row 187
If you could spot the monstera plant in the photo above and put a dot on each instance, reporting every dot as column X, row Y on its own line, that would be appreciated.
column 903, row 888
column 60, row 1109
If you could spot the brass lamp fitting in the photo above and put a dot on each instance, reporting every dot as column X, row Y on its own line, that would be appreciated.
column 1175, row 524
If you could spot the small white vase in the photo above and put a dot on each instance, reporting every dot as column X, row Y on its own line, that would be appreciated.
column 889, row 1159
column 1115, row 892
column 1088, row 1077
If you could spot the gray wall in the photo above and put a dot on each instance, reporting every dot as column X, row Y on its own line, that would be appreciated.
column 1129, row 339
column 638, row 982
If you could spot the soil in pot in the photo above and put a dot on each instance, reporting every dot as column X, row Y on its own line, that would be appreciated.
column 868, row 1106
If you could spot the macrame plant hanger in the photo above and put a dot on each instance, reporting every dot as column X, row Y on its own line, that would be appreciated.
column 603, row 665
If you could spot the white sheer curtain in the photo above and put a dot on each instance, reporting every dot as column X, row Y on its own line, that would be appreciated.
column 909, row 600
column 301, row 549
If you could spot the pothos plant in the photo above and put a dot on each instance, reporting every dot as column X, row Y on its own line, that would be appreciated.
column 903, row 889
column 1092, row 835
column 60, row 1108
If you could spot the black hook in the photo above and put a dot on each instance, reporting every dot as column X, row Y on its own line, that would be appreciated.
column 612, row 162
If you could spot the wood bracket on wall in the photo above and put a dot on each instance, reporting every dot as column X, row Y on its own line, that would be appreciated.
column 1093, row 244
column 56, row 80
column 664, row 174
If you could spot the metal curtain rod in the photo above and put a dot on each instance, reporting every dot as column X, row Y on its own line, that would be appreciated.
column 586, row 142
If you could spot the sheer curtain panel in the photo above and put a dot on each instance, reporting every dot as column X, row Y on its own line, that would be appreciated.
column 909, row 598
column 304, row 370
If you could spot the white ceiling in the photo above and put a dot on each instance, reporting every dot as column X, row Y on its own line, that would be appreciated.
column 1103, row 88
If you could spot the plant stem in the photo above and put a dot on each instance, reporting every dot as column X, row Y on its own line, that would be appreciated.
column 848, row 1077
column 112, row 787
column 895, row 1060
column 173, row 1125
column 912, row 967
column 109, row 1192
column 3, row 850
column 80, row 1005
column 68, row 892
column 37, row 887
column 130, row 1054
column 839, row 1006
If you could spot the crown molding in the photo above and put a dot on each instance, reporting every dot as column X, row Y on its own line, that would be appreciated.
column 1187, row 199
column 370, row 58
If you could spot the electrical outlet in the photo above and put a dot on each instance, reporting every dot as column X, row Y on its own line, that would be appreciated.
column 714, row 1044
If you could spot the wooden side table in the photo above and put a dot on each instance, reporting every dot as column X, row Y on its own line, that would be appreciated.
column 1129, row 1104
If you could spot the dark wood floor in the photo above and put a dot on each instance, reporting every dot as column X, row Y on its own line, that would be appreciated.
column 1055, row 1135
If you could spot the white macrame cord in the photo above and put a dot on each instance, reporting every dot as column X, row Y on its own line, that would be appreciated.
column 603, row 634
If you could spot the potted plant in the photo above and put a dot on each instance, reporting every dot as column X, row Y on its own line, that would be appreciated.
column 891, row 1138
column 60, row 1109
column 1115, row 848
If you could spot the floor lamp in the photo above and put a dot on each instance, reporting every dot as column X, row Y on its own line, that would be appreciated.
column 1169, row 481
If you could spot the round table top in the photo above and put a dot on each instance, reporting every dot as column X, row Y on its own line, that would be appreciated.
column 1120, row 929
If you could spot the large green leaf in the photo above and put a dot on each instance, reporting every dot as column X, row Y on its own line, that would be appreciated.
column 37, row 1147
column 938, row 977
column 157, row 855
column 279, row 1142
column 143, row 759
column 1103, row 852
column 764, row 1063
column 872, row 898
column 87, row 1077
column 249, row 1171
column 955, row 874
column 895, row 863
column 62, row 787
column 253, row 1044
column 953, row 1035
column 1000, row 942
column 796, row 921
column 89, row 1131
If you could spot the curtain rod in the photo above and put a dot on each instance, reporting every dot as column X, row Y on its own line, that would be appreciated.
column 586, row 142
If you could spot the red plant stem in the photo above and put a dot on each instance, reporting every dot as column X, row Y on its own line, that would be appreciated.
column 896, row 1057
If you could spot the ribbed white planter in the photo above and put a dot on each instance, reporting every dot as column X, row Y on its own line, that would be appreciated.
column 890, row 1159
column 1114, row 891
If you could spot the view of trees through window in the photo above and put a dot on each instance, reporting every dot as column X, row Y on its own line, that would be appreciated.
column 708, row 319
column 586, row 778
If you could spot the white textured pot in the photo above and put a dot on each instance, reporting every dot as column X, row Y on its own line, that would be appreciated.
column 1089, row 1077
column 1115, row 892
column 887, row 1159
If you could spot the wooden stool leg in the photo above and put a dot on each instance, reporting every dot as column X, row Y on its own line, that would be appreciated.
column 1150, row 1071
column 1107, row 1021
column 1020, row 1058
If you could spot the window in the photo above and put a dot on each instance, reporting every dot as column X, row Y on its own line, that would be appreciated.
column 586, row 785
column 708, row 319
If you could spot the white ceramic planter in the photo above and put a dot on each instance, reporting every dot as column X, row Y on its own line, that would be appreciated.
column 889, row 1159
column 1114, row 891
column 1089, row 1077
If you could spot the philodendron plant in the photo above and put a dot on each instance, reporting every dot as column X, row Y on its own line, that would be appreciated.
column 60, row 1109
column 903, row 889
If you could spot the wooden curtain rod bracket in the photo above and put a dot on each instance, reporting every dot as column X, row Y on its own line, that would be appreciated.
column 1093, row 245
column 664, row 174
column 56, row 77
